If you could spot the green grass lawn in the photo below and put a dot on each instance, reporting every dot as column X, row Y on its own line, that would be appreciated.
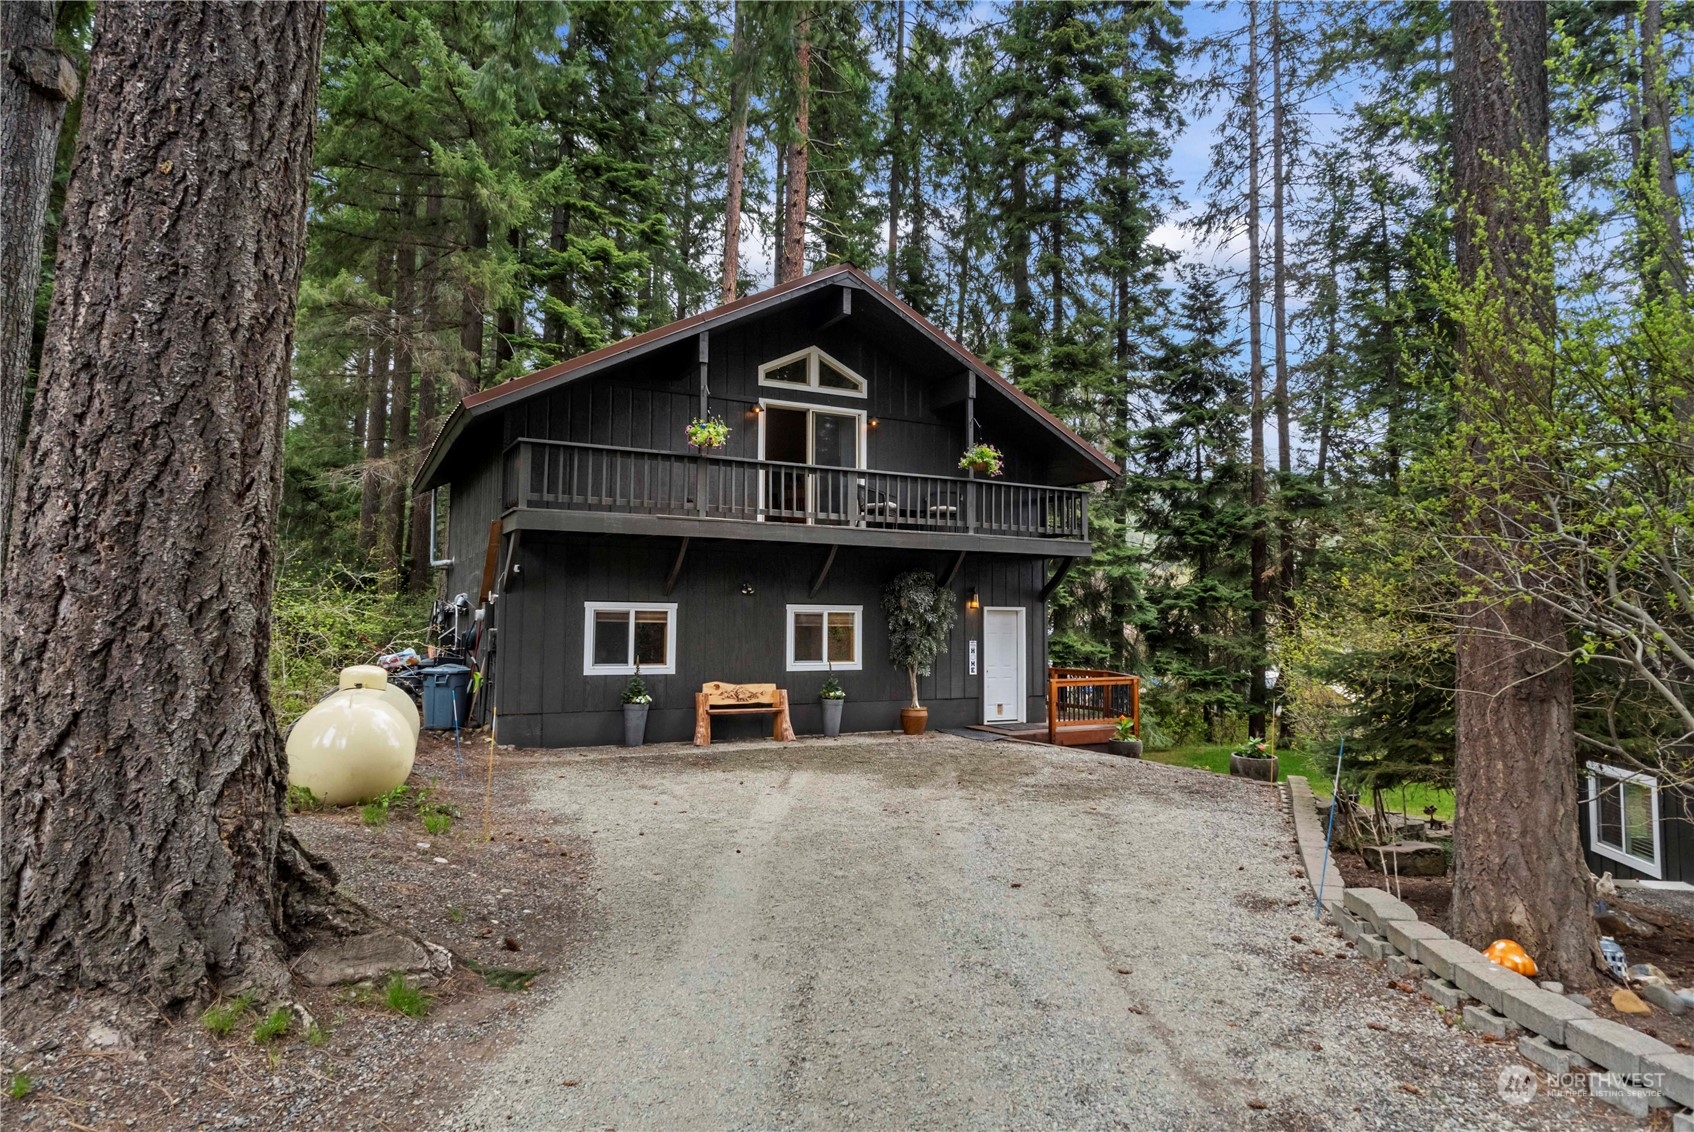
column 1319, row 770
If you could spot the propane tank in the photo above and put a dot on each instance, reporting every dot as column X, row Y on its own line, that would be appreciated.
column 352, row 747
column 372, row 676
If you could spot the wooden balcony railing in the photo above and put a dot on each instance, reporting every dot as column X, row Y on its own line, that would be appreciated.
column 549, row 474
column 1085, row 704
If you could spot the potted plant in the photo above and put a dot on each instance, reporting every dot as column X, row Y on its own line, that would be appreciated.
column 920, row 617
column 1123, row 741
column 636, row 701
column 707, row 432
column 983, row 459
column 832, row 697
column 1253, row 760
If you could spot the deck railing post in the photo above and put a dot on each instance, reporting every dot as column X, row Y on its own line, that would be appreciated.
column 1052, row 707
column 700, row 480
column 526, row 485
column 1135, row 705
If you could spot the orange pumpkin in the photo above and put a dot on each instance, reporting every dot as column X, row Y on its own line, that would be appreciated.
column 1511, row 956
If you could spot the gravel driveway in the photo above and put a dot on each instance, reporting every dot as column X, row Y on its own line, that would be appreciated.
column 894, row 933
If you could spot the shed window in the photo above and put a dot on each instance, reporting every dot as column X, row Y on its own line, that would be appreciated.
column 1623, row 817
column 824, row 637
column 618, row 638
column 812, row 369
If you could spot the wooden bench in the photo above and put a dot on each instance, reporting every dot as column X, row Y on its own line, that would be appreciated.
column 718, row 698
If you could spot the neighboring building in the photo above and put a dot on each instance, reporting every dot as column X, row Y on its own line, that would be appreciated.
column 1635, row 828
column 765, row 562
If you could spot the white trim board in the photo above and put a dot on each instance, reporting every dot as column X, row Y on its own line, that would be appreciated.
column 1023, row 663
column 1653, row 868
column 590, row 608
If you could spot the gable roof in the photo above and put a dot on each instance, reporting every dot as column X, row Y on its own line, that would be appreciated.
column 841, row 275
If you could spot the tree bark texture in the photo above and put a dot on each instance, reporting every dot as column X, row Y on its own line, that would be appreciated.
column 376, row 413
column 1659, row 176
column 1259, row 554
column 897, row 147
column 36, row 80
column 1279, row 303
column 799, row 151
column 1519, row 871
column 145, row 849
column 737, row 171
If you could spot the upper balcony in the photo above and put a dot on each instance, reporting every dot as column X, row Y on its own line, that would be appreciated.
column 558, row 486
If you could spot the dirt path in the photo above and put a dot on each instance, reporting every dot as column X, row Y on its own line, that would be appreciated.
column 941, row 933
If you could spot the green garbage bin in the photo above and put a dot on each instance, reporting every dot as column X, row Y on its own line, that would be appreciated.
column 446, row 696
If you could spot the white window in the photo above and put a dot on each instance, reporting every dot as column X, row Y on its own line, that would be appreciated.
column 439, row 512
column 824, row 637
column 812, row 369
column 1623, row 817
column 618, row 637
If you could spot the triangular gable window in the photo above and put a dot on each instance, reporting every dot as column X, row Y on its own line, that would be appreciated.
column 812, row 369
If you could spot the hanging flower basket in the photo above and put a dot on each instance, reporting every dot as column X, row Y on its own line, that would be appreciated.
column 707, row 432
column 983, row 459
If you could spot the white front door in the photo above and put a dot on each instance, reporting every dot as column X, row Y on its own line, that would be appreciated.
column 1002, row 666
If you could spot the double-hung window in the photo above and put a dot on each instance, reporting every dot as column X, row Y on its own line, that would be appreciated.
column 619, row 637
column 825, row 637
column 1623, row 817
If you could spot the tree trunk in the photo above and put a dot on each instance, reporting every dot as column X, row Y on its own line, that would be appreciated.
column 36, row 81
column 799, row 154
column 145, row 845
column 400, row 436
column 376, row 412
column 1659, row 175
column 896, row 146
column 1519, row 871
column 1259, row 556
column 470, row 313
column 737, row 158
column 419, row 576
column 1279, row 306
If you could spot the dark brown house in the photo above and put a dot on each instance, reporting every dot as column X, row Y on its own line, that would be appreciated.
column 613, row 543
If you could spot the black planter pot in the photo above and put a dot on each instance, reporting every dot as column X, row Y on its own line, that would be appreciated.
column 1128, row 748
column 1262, row 770
column 634, row 724
column 831, row 715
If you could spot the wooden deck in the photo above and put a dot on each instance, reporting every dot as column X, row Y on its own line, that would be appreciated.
column 1083, row 709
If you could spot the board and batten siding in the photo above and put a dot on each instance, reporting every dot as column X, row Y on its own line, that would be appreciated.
column 648, row 402
column 545, row 700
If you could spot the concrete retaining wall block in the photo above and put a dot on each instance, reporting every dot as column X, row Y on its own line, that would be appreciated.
column 1554, row 1058
column 1406, row 935
column 1543, row 1012
column 1445, row 995
column 1377, row 906
column 1612, row 1045
column 1481, row 1020
column 1676, row 1075
column 1491, row 983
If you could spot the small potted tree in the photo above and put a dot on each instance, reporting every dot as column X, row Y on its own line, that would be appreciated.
column 920, row 617
column 832, row 698
column 1253, row 760
column 983, row 459
column 1123, row 741
column 636, row 701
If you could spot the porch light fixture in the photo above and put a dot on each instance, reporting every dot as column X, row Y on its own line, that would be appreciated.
column 971, row 601
column 871, row 423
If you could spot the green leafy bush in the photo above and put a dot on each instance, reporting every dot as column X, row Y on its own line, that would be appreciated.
column 323, row 623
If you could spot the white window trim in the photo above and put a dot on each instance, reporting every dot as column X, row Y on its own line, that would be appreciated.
column 858, row 661
column 590, row 608
column 811, row 436
column 1653, row 868
column 812, row 355
column 435, row 545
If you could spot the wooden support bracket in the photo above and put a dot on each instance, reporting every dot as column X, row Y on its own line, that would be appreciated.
column 823, row 571
column 1058, row 577
column 953, row 570
column 676, row 567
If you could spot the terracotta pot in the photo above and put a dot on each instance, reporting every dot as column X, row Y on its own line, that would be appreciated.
column 913, row 720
